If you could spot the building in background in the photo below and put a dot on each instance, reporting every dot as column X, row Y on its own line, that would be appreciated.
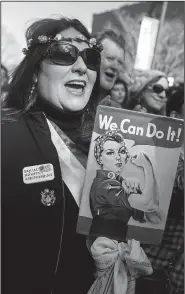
column 169, row 55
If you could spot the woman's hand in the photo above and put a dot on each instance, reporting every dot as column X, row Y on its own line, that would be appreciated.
column 106, row 101
column 140, row 108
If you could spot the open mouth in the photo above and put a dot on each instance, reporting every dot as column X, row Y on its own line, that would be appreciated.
column 110, row 75
column 76, row 86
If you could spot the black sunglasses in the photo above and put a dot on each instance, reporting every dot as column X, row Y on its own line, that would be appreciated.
column 158, row 88
column 63, row 53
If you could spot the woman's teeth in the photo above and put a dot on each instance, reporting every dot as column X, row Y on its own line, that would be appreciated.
column 76, row 86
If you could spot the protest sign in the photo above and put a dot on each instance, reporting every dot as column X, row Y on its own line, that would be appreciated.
column 130, row 174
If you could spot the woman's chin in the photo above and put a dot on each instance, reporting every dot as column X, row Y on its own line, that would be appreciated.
column 73, row 107
column 117, row 171
column 119, row 101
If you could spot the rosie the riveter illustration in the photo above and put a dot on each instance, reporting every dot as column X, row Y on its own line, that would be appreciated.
column 110, row 192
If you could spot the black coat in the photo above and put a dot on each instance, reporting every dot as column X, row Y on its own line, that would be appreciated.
column 41, row 252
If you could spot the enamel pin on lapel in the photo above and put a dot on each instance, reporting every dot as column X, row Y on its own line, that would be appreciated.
column 38, row 173
column 47, row 197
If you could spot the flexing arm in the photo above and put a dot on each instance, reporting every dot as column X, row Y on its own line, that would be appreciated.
column 149, row 198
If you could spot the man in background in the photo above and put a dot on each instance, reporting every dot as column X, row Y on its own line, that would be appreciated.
column 112, row 59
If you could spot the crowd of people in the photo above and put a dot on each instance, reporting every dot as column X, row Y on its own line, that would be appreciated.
column 51, row 101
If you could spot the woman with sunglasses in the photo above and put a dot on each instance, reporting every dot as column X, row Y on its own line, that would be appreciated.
column 45, row 136
column 149, row 93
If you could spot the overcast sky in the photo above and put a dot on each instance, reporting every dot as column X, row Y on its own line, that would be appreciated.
column 17, row 15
